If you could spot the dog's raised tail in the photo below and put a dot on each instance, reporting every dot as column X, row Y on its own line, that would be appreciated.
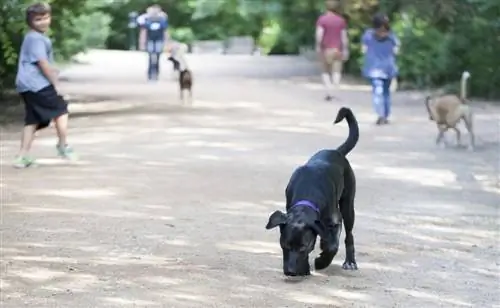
column 463, row 86
column 352, row 139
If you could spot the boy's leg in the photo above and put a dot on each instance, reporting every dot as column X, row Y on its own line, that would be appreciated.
column 61, row 123
column 28, row 135
column 378, row 98
column 150, row 65
column 150, row 50
column 387, row 98
column 22, row 159
column 159, row 46
column 157, row 65
column 63, row 149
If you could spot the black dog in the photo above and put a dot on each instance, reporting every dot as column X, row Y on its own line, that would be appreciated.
column 319, row 196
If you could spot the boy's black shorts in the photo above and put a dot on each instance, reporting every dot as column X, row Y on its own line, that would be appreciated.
column 43, row 106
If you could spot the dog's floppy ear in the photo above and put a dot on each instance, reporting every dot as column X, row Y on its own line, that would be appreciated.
column 319, row 228
column 277, row 218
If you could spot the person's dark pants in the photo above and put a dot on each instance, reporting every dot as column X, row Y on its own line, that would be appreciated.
column 154, row 49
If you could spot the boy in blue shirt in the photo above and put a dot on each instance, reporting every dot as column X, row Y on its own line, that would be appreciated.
column 36, row 82
column 152, row 37
column 380, row 46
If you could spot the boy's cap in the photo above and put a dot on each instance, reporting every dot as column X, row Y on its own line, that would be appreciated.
column 36, row 10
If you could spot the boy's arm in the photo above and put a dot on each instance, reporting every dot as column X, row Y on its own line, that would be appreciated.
column 38, row 54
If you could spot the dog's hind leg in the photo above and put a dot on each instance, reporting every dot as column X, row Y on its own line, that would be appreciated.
column 459, row 136
column 470, row 129
column 348, row 215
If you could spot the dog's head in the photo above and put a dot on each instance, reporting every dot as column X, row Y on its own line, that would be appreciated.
column 298, row 233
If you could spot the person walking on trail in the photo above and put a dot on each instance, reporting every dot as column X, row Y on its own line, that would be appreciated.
column 332, row 45
column 152, row 37
column 380, row 46
column 36, row 81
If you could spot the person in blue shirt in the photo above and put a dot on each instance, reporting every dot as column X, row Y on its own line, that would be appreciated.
column 380, row 46
column 37, row 83
column 152, row 37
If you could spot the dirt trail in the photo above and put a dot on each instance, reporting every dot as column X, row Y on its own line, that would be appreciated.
column 167, row 206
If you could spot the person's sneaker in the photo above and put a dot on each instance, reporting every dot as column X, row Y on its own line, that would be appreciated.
column 379, row 121
column 21, row 162
column 66, row 152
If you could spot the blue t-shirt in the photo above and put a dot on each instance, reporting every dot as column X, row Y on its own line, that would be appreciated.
column 35, row 47
column 155, row 27
column 380, row 59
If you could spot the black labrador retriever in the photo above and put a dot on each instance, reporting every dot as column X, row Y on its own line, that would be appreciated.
column 319, row 196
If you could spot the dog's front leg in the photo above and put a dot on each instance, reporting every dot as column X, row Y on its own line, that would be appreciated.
column 459, row 136
column 470, row 129
column 330, row 245
column 440, row 139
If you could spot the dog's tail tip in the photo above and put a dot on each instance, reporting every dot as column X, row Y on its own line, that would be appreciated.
column 343, row 112
column 466, row 74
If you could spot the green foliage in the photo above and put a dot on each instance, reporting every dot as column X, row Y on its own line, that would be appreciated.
column 182, row 34
column 424, row 57
column 95, row 29
column 440, row 39
column 76, row 25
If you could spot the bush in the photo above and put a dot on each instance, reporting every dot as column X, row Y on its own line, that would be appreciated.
column 424, row 58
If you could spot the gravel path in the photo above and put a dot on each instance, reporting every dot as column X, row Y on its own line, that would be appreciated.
column 167, row 206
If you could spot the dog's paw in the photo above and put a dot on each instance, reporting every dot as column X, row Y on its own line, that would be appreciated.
column 442, row 145
column 350, row 265
column 323, row 260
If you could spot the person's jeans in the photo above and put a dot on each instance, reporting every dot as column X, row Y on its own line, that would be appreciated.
column 154, row 49
column 381, row 97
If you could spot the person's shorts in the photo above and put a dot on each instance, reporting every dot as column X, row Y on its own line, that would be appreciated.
column 331, row 60
column 155, row 46
column 43, row 106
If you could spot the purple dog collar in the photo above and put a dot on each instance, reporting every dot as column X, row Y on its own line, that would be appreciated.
column 306, row 203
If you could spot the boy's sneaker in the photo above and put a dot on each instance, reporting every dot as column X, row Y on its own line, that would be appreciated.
column 21, row 162
column 66, row 152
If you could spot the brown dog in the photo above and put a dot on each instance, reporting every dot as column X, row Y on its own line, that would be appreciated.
column 448, row 110
column 186, row 84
